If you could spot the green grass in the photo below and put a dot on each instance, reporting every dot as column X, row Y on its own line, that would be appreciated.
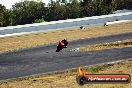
column 94, row 69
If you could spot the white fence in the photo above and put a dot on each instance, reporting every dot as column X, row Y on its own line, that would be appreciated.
column 64, row 23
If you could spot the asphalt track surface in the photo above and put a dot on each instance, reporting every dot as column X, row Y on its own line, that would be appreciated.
column 44, row 59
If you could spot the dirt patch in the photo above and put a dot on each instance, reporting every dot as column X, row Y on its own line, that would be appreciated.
column 117, row 44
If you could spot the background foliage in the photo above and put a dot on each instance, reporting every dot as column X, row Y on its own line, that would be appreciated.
column 27, row 12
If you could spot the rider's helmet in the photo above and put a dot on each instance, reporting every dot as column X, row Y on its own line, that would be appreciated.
column 65, row 39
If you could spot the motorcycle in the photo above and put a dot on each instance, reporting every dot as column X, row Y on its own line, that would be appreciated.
column 62, row 44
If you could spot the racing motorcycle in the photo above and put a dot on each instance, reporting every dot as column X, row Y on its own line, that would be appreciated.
column 62, row 44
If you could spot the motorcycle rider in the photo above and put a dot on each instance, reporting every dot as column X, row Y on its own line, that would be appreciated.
column 62, row 44
column 65, row 42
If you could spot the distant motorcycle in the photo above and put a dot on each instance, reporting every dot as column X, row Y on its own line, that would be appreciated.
column 62, row 44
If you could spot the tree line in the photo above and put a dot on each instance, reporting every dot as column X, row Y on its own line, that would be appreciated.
column 27, row 12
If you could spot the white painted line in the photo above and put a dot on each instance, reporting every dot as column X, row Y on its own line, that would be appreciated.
column 115, row 22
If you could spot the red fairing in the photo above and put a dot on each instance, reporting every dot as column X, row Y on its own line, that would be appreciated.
column 61, row 43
